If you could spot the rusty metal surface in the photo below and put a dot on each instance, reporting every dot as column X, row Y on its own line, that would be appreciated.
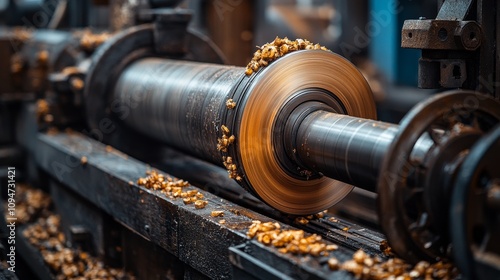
column 437, row 73
column 463, row 30
column 441, row 34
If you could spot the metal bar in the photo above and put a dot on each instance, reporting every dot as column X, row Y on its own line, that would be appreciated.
column 179, row 103
column 454, row 9
column 345, row 148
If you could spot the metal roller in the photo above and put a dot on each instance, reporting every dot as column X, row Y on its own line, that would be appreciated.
column 184, row 105
column 177, row 102
column 304, row 136
column 299, row 122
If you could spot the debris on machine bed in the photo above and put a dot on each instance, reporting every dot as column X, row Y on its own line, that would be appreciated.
column 268, row 52
column 65, row 262
column 289, row 241
column 43, row 232
column 173, row 188
column 30, row 204
column 362, row 265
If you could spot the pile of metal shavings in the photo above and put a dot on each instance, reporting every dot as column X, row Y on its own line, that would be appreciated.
column 89, row 40
column 30, row 204
column 226, row 140
column 289, row 241
column 173, row 188
column 269, row 52
column 20, row 35
column 65, row 262
column 218, row 214
column 363, row 266
column 305, row 220
column 230, row 104
column 386, row 249
column 223, row 143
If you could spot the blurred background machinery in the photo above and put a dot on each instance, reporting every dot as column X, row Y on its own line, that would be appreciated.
column 95, row 93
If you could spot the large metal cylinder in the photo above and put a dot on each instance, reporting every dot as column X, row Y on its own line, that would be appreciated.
column 178, row 102
column 183, row 104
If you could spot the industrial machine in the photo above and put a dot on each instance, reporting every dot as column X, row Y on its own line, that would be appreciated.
column 86, row 115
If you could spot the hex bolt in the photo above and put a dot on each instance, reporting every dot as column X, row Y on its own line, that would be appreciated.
column 468, row 35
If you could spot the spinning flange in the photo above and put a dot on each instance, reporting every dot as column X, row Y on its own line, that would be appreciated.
column 307, row 80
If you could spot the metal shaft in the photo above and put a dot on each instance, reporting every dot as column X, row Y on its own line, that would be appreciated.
column 345, row 148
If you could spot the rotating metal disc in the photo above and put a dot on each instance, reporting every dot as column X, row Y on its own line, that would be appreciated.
column 275, row 86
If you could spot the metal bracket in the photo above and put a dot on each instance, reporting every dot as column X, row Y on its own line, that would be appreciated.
column 441, row 35
column 446, row 73
column 454, row 9
column 450, row 46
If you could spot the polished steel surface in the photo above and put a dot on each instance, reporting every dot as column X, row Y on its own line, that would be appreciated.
column 343, row 147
